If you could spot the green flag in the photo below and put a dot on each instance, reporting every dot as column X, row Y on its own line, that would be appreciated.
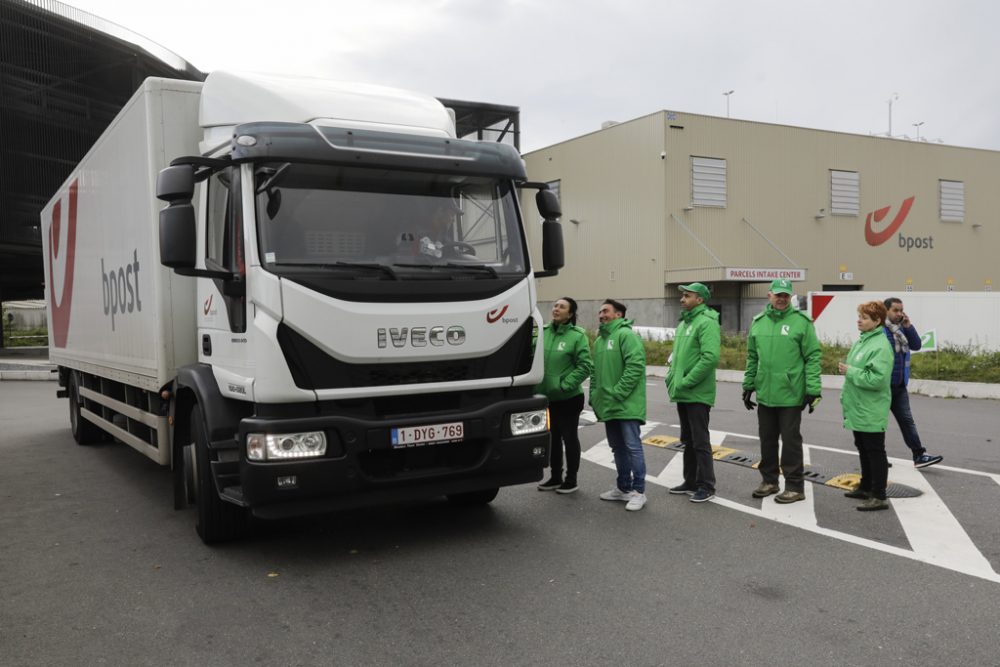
column 928, row 341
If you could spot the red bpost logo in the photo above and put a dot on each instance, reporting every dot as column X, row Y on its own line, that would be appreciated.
column 878, row 238
column 208, row 304
column 495, row 314
column 61, row 307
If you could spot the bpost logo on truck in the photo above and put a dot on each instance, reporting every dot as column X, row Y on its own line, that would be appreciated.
column 120, row 288
column 65, row 255
column 874, row 238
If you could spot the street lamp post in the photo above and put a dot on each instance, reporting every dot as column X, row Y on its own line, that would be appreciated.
column 917, row 125
column 727, row 94
column 892, row 98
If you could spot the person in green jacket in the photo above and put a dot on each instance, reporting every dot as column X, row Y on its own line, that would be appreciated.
column 567, row 365
column 865, row 399
column 783, row 367
column 691, row 385
column 618, row 398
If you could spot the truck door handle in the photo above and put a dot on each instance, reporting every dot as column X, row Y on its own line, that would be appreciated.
column 206, row 345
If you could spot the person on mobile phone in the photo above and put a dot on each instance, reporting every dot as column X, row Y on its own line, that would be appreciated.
column 904, row 339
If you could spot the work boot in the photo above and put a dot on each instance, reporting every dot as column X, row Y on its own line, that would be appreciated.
column 765, row 490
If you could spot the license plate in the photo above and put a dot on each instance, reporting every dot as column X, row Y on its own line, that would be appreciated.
column 430, row 434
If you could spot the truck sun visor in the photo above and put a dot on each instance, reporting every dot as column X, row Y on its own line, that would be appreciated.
column 300, row 142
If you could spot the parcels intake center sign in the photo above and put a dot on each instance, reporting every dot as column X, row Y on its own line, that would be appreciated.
column 764, row 274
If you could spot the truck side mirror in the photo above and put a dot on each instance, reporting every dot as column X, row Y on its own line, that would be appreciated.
column 553, row 254
column 178, row 235
column 175, row 183
column 548, row 205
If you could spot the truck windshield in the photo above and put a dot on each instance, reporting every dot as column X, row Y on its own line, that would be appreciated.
column 390, row 225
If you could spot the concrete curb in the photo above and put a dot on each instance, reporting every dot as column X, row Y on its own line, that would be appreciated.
column 933, row 388
column 29, row 375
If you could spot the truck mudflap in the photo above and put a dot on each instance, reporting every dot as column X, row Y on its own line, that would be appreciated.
column 362, row 467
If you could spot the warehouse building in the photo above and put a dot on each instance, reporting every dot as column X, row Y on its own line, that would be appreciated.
column 671, row 198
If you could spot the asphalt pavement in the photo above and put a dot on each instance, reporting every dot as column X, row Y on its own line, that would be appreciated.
column 98, row 569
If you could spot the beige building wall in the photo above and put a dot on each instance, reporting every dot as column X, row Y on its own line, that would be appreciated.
column 638, row 236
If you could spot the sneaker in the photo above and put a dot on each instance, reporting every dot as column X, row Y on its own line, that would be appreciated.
column 682, row 489
column 567, row 487
column 787, row 496
column 617, row 494
column 551, row 484
column 873, row 504
column 858, row 494
column 636, row 501
column 702, row 495
column 765, row 490
column 925, row 460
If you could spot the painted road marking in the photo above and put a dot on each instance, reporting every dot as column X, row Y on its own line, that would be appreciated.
column 935, row 535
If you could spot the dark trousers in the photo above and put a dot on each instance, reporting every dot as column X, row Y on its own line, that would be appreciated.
column 565, row 423
column 901, row 411
column 874, row 465
column 783, row 422
column 699, row 470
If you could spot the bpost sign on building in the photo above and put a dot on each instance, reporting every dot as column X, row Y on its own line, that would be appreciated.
column 762, row 274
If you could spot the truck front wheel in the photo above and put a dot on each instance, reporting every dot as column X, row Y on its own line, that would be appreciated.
column 471, row 498
column 218, row 521
column 84, row 432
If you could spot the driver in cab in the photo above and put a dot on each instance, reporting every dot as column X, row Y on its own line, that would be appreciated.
column 435, row 237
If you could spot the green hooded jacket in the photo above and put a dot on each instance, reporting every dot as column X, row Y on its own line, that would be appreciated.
column 618, row 385
column 867, row 395
column 783, row 358
column 567, row 361
column 697, row 344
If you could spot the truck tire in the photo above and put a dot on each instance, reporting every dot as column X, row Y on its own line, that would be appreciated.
column 84, row 432
column 218, row 521
column 472, row 498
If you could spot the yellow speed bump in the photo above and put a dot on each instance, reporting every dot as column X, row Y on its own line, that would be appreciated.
column 847, row 482
column 660, row 440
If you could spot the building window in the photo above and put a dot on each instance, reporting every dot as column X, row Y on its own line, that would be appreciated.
column 556, row 187
column 845, row 192
column 708, row 182
column 952, row 201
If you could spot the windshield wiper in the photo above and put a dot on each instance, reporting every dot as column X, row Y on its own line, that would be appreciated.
column 475, row 267
column 452, row 265
column 368, row 265
column 344, row 265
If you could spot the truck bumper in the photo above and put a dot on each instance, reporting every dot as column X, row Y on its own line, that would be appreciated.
column 361, row 468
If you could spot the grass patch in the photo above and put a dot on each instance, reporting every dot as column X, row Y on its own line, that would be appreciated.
column 955, row 364
column 37, row 337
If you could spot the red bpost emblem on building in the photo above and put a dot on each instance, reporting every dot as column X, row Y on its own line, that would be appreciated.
column 61, row 305
column 878, row 238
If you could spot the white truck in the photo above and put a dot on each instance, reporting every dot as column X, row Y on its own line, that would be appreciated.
column 335, row 309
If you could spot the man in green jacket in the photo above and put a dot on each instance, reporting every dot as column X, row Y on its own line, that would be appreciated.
column 691, row 385
column 783, row 367
column 618, row 398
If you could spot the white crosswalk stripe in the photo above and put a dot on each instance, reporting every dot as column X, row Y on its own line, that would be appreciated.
column 935, row 535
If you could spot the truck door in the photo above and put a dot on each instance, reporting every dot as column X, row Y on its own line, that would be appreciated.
column 222, row 318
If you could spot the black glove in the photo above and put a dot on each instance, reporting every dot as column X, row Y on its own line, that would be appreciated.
column 750, row 405
column 811, row 402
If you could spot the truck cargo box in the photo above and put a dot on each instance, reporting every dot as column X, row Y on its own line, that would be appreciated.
column 116, row 311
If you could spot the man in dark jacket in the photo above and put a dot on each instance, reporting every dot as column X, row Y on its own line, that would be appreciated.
column 903, row 337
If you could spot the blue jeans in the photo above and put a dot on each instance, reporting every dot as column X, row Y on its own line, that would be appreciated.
column 630, row 461
column 901, row 411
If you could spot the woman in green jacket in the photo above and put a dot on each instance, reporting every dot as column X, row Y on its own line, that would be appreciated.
column 567, row 365
column 865, row 400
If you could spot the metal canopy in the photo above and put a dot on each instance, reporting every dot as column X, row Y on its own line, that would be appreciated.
column 488, row 122
column 64, row 75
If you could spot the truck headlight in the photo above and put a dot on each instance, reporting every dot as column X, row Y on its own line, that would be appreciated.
column 279, row 446
column 523, row 423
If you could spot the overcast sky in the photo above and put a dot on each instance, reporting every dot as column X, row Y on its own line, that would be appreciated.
column 572, row 64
